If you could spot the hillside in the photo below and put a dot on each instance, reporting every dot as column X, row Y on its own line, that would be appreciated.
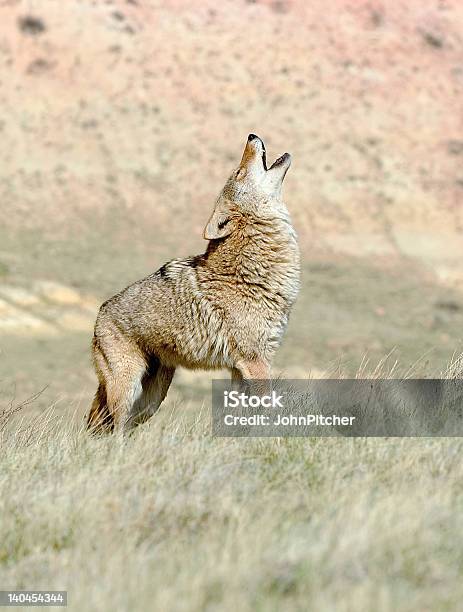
column 120, row 121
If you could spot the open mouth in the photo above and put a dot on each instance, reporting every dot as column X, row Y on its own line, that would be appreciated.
column 278, row 161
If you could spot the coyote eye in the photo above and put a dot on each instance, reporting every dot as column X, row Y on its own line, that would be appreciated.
column 222, row 224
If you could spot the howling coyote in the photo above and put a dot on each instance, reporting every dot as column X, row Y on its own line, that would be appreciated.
column 227, row 308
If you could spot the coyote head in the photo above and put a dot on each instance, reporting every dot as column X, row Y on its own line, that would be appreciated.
column 252, row 189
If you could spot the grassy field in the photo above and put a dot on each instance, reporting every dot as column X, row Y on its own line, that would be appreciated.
column 173, row 519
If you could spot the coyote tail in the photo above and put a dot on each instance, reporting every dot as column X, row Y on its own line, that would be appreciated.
column 99, row 419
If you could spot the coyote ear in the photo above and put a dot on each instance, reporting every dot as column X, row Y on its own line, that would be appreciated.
column 220, row 224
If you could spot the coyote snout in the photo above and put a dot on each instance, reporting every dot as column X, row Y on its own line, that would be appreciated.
column 227, row 308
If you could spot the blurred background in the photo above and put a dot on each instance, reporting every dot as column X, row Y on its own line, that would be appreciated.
column 121, row 119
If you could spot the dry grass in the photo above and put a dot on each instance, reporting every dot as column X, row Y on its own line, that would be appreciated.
column 173, row 519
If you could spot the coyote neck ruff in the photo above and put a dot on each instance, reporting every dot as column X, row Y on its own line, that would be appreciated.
column 227, row 308
column 259, row 260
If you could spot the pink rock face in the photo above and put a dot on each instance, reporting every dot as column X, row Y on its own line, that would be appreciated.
column 150, row 104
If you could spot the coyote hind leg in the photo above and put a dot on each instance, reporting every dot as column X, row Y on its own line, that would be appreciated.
column 155, row 384
column 120, row 367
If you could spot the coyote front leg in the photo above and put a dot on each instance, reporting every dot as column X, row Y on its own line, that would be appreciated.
column 257, row 371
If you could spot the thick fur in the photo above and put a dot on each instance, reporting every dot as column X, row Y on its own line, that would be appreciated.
column 227, row 308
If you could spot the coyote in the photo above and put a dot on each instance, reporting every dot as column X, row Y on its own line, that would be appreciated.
column 227, row 308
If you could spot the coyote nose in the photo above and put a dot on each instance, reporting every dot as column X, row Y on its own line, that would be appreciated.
column 254, row 153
